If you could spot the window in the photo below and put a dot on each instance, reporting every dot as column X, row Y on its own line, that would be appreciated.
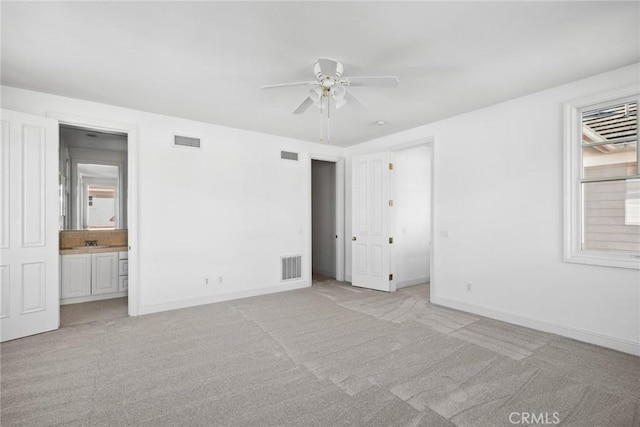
column 602, row 180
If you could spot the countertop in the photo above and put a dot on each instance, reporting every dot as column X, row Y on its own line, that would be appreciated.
column 90, row 250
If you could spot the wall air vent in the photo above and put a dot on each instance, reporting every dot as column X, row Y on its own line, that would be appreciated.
column 291, row 267
column 287, row 155
column 185, row 141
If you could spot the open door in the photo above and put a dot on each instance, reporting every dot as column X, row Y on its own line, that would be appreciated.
column 371, row 241
column 29, row 300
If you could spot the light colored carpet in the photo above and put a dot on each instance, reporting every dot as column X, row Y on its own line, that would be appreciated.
column 87, row 312
column 323, row 356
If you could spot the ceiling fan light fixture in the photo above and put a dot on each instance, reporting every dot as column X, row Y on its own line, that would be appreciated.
column 328, row 83
column 331, row 84
column 338, row 92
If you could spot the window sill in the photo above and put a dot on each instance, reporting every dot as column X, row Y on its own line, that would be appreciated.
column 630, row 261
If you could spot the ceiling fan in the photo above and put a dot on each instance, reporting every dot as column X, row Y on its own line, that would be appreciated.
column 331, row 85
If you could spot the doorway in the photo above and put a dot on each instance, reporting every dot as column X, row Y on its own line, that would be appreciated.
column 326, row 218
column 93, row 175
column 323, row 220
column 411, row 258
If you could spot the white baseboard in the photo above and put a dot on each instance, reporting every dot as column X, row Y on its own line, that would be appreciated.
column 347, row 278
column 191, row 302
column 90, row 298
column 412, row 282
column 618, row 344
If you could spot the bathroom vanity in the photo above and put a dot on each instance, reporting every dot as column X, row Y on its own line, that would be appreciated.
column 96, row 270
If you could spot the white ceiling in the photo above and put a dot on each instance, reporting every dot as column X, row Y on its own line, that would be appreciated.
column 206, row 60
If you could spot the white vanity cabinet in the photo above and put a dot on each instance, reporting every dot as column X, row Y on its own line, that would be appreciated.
column 104, row 273
column 76, row 275
column 93, row 276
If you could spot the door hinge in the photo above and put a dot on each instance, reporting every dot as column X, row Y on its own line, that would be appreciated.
column 390, row 166
column 390, row 239
column 390, row 277
column 390, row 202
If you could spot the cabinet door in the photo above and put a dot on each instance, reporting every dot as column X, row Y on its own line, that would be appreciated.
column 124, row 283
column 104, row 272
column 76, row 275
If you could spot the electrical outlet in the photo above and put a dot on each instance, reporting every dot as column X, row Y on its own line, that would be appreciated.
column 220, row 280
column 206, row 280
column 468, row 287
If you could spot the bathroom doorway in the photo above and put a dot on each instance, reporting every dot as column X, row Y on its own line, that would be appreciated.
column 93, row 223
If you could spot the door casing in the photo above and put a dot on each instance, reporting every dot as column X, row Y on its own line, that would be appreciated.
column 132, row 191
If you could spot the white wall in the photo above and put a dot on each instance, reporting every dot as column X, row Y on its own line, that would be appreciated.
column 498, row 184
column 323, row 213
column 412, row 235
column 230, row 209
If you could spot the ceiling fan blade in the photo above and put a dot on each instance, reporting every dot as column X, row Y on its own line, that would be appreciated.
column 354, row 101
column 380, row 81
column 308, row 102
column 328, row 67
column 288, row 84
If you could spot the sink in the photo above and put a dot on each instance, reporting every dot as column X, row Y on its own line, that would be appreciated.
column 90, row 247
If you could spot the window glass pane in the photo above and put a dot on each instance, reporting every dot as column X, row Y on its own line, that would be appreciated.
column 611, row 160
column 610, row 123
column 632, row 203
column 611, row 216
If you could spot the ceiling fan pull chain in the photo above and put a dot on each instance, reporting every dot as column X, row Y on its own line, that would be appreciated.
column 328, row 116
column 321, row 119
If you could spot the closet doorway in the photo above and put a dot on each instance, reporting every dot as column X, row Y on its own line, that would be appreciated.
column 327, row 219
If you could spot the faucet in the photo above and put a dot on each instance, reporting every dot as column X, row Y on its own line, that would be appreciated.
column 91, row 243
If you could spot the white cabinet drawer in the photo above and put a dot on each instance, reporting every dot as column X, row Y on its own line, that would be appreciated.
column 124, row 284
column 123, row 255
column 124, row 267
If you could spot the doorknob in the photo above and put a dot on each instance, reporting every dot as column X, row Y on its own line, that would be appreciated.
column 354, row 238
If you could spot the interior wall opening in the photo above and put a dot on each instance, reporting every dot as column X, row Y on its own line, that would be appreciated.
column 323, row 219
column 412, row 216
column 93, row 239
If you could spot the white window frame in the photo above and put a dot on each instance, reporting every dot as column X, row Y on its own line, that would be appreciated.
column 573, row 251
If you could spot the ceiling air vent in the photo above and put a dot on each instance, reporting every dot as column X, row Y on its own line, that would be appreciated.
column 185, row 141
column 288, row 155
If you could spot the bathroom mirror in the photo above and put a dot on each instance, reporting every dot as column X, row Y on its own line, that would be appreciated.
column 98, row 195
column 93, row 179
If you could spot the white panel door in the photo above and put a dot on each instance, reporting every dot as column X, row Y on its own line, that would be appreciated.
column 29, row 293
column 370, row 247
